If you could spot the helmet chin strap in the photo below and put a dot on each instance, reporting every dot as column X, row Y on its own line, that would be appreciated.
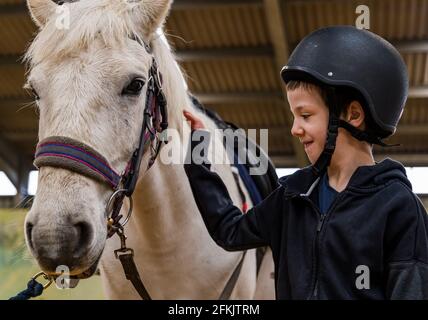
column 320, row 166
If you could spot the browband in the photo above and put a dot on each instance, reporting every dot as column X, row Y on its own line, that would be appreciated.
column 67, row 153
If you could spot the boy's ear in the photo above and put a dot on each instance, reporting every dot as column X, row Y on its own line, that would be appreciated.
column 355, row 114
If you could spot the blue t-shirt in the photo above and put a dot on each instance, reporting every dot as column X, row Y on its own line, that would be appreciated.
column 326, row 194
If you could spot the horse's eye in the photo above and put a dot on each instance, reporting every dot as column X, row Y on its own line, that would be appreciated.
column 134, row 88
column 35, row 94
column 31, row 90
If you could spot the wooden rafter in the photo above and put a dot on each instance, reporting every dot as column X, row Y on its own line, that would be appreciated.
column 275, row 21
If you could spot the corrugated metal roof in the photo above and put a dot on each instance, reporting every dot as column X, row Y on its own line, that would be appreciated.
column 230, row 57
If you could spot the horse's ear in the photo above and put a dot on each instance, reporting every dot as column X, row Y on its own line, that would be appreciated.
column 41, row 10
column 150, row 14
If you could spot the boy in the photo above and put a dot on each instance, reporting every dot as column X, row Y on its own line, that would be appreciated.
column 345, row 227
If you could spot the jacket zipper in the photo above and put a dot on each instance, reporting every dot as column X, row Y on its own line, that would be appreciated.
column 314, row 291
column 319, row 227
column 322, row 217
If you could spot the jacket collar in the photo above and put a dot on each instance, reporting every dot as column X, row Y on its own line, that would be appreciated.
column 303, row 182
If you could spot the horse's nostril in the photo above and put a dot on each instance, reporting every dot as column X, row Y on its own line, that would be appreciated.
column 29, row 230
column 84, row 234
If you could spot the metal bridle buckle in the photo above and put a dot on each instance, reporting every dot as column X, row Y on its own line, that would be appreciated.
column 45, row 276
column 120, row 252
column 123, row 249
column 110, row 202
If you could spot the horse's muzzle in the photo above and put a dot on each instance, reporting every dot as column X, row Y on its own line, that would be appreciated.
column 60, row 246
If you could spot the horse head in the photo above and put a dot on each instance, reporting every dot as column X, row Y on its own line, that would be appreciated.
column 90, row 78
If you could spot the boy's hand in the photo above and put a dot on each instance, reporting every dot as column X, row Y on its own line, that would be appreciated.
column 195, row 122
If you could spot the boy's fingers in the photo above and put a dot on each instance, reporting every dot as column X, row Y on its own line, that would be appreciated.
column 196, row 123
column 188, row 115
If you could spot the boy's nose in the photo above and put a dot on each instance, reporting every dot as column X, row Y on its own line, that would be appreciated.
column 296, row 130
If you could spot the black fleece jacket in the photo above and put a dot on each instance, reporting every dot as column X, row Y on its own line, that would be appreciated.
column 371, row 244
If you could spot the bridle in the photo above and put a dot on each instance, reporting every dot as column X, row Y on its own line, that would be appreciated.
column 68, row 153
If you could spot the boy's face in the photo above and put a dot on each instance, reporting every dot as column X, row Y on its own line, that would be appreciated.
column 310, row 120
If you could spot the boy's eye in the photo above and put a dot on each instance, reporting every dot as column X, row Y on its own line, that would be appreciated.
column 305, row 116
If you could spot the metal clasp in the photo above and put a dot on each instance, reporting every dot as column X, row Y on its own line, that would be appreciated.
column 46, row 277
column 110, row 219
column 123, row 249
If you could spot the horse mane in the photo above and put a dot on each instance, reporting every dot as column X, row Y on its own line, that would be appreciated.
column 174, row 87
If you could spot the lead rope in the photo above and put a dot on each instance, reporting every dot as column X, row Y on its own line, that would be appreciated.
column 34, row 288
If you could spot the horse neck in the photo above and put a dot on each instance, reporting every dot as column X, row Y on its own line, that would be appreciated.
column 163, row 204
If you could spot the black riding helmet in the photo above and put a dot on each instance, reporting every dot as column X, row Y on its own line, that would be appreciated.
column 344, row 56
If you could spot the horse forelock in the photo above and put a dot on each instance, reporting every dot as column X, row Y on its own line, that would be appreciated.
column 110, row 21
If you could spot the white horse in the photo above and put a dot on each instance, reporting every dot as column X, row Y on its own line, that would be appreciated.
column 83, row 57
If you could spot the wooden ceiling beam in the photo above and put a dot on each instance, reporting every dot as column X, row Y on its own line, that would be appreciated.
column 412, row 46
column 202, row 4
column 418, row 92
column 237, row 98
column 232, row 53
column 278, row 37
column 186, row 55
column 224, row 54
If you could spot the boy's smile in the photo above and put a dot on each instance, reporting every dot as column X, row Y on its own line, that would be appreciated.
column 307, row 144
column 310, row 120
